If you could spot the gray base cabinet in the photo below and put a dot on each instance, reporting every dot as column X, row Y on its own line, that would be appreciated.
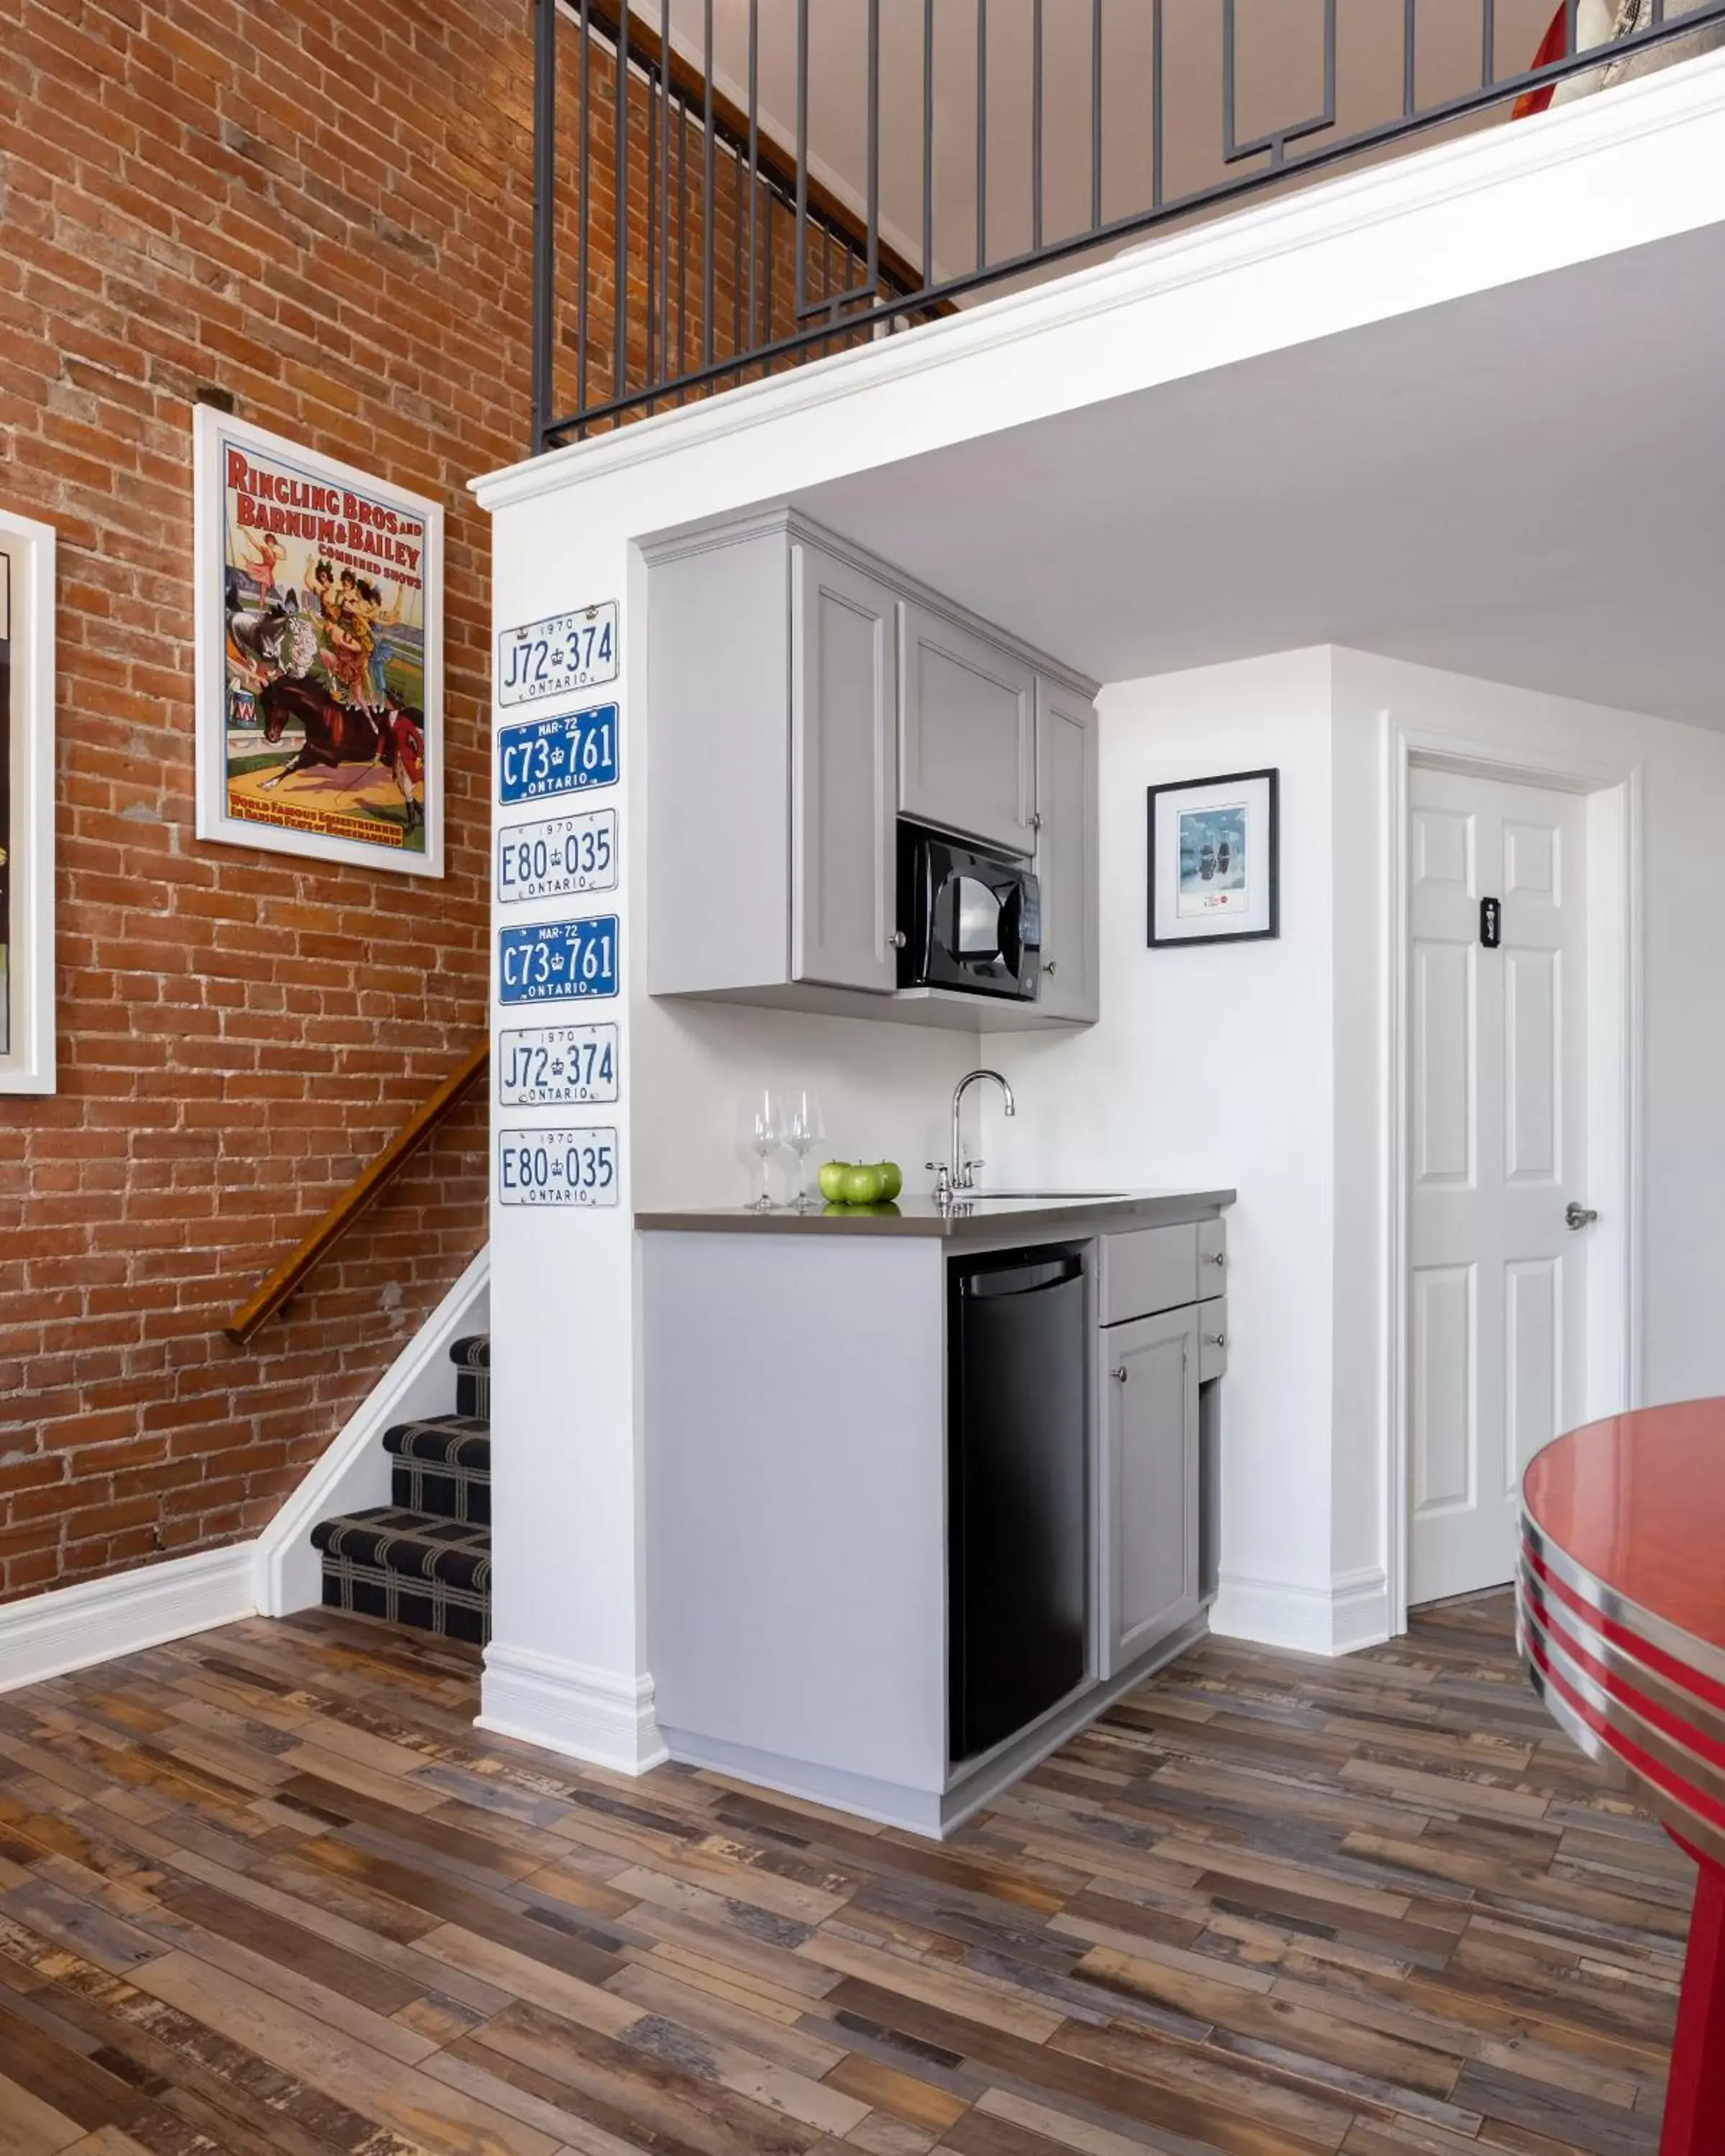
column 798, row 1485
column 1150, row 1468
column 801, row 698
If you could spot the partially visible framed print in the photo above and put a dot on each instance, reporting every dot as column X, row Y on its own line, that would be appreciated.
column 1214, row 871
column 319, row 638
column 26, row 805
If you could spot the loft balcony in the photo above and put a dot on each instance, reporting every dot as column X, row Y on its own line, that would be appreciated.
column 763, row 183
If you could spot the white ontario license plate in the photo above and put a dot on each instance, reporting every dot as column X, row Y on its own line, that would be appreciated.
column 558, row 1168
column 552, row 1066
column 558, row 858
column 563, row 652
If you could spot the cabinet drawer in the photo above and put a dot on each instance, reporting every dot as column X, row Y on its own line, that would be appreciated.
column 1212, row 1340
column 1212, row 1260
column 1153, row 1269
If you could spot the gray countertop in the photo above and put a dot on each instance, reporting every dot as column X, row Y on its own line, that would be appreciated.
column 975, row 1214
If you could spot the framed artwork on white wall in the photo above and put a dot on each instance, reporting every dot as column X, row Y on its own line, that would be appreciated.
column 1214, row 859
column 318, row 597
column 27, row 781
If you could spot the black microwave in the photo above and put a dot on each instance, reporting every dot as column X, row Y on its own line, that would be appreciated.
column 969, row 919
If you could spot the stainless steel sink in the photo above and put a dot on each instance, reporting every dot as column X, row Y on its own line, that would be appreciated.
column 1046, row 1197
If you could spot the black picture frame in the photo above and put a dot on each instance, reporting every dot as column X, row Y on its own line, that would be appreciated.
column 1271, row 780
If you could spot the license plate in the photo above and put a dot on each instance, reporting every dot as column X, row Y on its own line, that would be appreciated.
column 558, row 1168
column 565, row 755
column 564, row 651
column 558, row 961
column 549, row 1066
column 559, row 857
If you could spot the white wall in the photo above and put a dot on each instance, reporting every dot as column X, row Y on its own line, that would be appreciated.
column 885, row 1091
column 1214, row 1066
column 1265, row 1067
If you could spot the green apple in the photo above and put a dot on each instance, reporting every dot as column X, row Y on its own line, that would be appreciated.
column 831, row 1179
column 892, row 1178
column 862, row 1186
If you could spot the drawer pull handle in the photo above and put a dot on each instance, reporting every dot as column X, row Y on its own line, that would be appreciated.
column 1219, row 1339
column 1120, row 1375
column 1218, row 1257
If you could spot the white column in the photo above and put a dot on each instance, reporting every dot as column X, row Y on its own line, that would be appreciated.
column 567, row 1667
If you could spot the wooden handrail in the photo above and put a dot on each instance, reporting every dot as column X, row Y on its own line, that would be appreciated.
column 252, row 1315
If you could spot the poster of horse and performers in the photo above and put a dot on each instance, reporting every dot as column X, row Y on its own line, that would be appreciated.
column 320, row 695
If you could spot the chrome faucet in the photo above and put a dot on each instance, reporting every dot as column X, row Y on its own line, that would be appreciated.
column 961, row 1174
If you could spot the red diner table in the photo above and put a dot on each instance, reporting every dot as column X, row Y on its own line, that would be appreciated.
column 1621, row 1600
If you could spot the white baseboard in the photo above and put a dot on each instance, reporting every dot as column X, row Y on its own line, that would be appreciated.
column 354, row 1469
column 1350, row 1612
column 69, row 1628
column 599, row 1716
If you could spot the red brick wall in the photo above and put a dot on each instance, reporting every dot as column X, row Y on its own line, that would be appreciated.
column 324, row 210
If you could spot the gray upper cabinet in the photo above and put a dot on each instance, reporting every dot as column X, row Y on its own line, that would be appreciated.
column 802, row 697
column 967, row 732
column 843, row 775
column 1150, row 1482
column 1067, row 865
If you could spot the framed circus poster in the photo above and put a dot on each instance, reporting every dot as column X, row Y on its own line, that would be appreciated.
column 319, row 649
column 27, row 770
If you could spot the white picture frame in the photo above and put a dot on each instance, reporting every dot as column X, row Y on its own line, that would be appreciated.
column 276, row 646
column 27, row 805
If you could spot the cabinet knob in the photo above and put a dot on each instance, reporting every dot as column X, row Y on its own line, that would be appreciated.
column 1218, row 1257
column 897, row 939
column 1120, row 1375
column 1219, row 1339
column 1050, row 967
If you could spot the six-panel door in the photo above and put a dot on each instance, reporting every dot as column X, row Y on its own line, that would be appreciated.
column 1497, row 1145
column 843, row 775
column 1150, row 1482
column 1067, row 867
column 968, row 724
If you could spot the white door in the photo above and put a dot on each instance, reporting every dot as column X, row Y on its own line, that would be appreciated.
column 1498, row 1136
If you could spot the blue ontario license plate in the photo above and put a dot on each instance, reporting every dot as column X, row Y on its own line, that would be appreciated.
column 559, row 858
column 543, row 757
column 552, row 1066
column 558, row 1168
column 558, row 960
column 564, row 652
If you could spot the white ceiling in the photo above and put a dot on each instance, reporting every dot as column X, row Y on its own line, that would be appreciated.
column 1280, row 43
column 1527, row 485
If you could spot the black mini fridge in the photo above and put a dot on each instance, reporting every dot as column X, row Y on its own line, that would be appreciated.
column 1017, row 1491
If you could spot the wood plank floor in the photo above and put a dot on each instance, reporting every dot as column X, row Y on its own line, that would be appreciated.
column 267, row 1890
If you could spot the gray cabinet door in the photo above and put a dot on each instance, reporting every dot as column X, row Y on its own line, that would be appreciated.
column 843, row 775
column 1066, row 852
column 1150, row 1482
column 967, row 720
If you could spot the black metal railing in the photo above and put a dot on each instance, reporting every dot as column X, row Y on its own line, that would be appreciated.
column 707, row 249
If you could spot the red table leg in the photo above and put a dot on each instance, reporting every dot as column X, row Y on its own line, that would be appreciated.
column 1695, row 2106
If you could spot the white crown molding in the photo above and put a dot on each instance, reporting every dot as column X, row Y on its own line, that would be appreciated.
column 602, row 1717
column 70, row 1627
column 1152, row 268
column 354, row 1469
column 1351, row 1611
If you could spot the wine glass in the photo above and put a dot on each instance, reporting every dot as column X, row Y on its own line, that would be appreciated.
column 766, row 1125
column 805, row 1128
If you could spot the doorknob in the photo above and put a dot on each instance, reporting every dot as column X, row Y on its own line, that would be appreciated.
column 1579, row 1216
